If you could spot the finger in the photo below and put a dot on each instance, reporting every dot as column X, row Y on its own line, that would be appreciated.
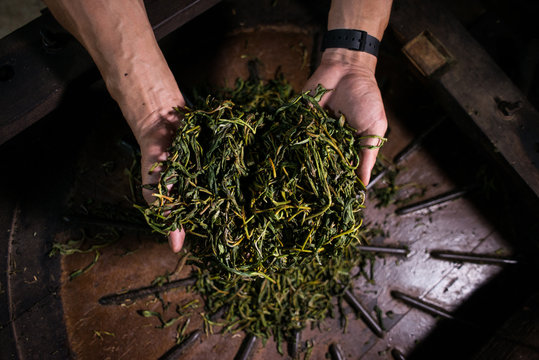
column 368, row 159
column 176, row 239
column 324, row 78
column 147, row 194
column 151, row 177
column 368, row 155
column 154, row 147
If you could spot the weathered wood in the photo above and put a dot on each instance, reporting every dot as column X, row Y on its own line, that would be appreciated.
column 31, row 308
column 490, row 107
column 8, row 213
column 40, row 64
column 524, row 326
column 427, row 54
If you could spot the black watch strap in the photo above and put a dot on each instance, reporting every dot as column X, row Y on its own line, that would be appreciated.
column 357, row 40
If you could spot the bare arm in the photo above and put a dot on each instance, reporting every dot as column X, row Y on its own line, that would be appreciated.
column 119, row 37
column 371, row 16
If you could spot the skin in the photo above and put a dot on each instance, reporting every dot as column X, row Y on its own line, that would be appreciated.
column 351, row 74
column 119, row 37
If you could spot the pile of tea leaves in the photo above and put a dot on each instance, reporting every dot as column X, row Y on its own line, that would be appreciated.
column 263, row 181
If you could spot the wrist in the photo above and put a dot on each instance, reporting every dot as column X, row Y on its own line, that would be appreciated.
column 146, row 97
column 156, row 109
column 350, row 60
column 163, row 117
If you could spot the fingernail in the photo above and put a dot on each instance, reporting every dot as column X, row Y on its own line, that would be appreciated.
column 174, row 244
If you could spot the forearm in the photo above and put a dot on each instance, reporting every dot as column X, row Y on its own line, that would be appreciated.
column 371, row 16
column 119, row 37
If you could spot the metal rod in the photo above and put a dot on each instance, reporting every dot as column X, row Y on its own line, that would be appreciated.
column 178, row 350
column 293, row 344
column 365, row 315
column 377, row 178
column 397, row 355
column 438, row 311
column 219, row 313
column 90, row 220
column 414, row 145
column 407, row 151
column 422, row 305
column 473, row 258
column 384, row 250
column 335, row 352
column 246, row 347
column 118, row 299
column 439, row 199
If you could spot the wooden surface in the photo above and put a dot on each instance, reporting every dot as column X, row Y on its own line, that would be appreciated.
column 99, row 164
column 486, row 103
column 523, row 325
column 456, row 225
column 137, row 259
column 31, row 202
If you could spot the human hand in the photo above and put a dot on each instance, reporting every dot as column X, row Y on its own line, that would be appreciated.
column 155, row 134
column 356, row 95
column 121, row 41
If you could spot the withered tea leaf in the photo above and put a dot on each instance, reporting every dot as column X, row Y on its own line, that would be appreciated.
column 264, row 182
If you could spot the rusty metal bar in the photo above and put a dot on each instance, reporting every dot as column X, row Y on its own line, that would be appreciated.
column 473, row 258
column 103, row 222
column 436, row 200
column 335, row 352
column 293, row 344
column 422, row 305
column 407, row 150
column 365, row 315
column 246, row 348
column 118, row 299
column 177, row 351
column 384, row 250
column 397, row 354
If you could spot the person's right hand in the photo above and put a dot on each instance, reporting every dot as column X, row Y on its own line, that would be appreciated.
column 355, row 94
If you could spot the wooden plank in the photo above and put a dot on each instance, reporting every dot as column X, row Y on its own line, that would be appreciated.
column 41, row 65
column 490, row 107
column 8, row 213
column 524, row 326
column 31, row 309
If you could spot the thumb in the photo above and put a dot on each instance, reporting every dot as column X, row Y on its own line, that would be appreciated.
column 368, row 159
column 175, row 238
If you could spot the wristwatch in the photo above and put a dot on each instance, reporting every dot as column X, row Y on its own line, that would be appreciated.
column 357, row 40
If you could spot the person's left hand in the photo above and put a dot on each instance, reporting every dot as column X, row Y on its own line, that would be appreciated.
column 155, row 134
column 354, row 94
